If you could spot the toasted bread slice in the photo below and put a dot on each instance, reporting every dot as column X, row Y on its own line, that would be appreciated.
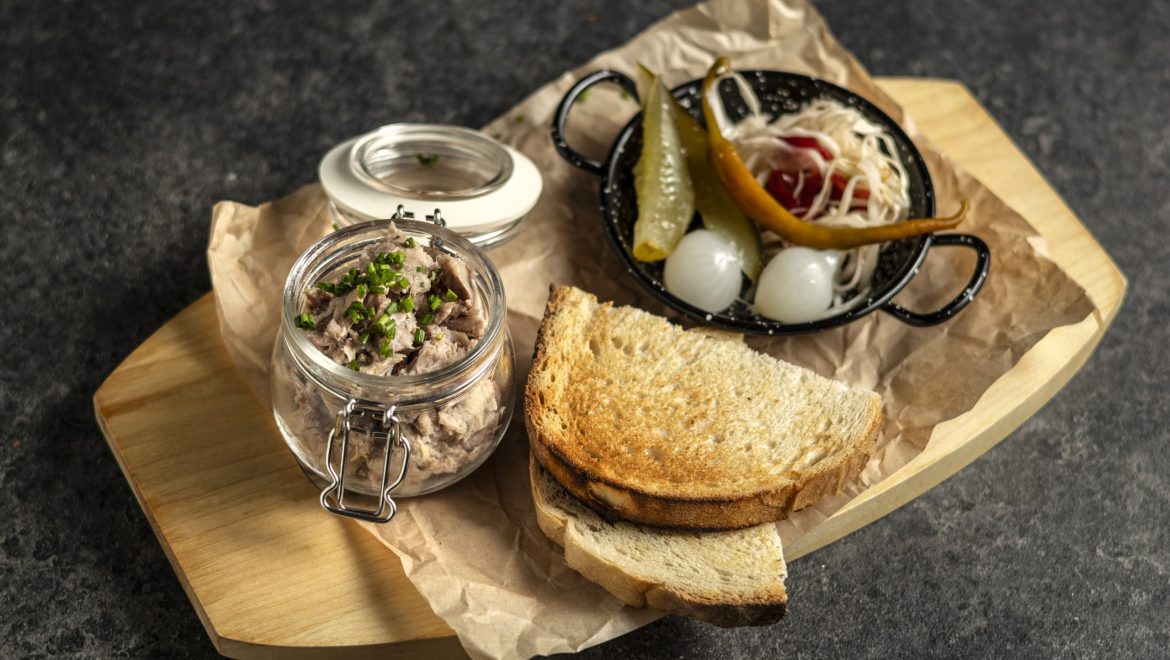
column 650, row 423
column 729, row 579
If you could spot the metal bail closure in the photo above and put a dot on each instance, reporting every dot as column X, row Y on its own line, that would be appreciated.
column 402, row 214
column 380, row 423
column 437, row 218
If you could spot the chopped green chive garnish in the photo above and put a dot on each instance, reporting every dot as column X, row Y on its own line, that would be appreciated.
column 420, row 269
column 519, row 119
column 362, row 290
column 392, row 308
column 419, row 337
column 450, row 296
column 427, row 319
column 377, row 288
column 363, row 337
column 396, row 258
column 434, row 301
column 409, row 242
column 384, row 347
column 356, row 311
column 406, row 304
column 403, row 283
column 378, row 274
column 353, row 364
column 346, row 284
column 306, row 322
column 582, row 96
column 438, row 337
column 383, row 323
column 336, row 226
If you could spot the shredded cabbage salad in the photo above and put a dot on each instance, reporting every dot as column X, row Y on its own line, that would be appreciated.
column 828, row 165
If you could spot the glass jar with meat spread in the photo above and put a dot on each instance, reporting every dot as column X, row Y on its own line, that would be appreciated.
column 393, row 373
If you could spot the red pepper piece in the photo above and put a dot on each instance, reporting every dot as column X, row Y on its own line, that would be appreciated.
column 783, row 186
column 839, row 182
column 806, row 142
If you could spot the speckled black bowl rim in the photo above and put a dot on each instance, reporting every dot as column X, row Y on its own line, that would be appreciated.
column 760, row 326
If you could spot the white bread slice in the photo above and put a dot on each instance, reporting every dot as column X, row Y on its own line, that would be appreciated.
column 650, row 423
column 726, row 578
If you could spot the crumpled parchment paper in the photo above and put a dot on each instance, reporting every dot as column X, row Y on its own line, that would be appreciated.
column 474, row 551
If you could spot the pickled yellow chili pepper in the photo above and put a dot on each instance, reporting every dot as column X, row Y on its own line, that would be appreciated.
column 770, row 214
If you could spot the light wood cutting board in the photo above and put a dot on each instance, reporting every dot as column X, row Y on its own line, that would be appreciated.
column 270, row 574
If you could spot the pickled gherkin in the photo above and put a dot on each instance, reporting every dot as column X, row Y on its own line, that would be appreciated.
column 662, row 181
column 717, row 209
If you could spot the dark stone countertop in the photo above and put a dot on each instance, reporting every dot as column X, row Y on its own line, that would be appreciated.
column 120, row 126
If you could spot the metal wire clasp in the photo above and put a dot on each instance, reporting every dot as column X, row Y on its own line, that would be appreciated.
column 402, row 214
column 383, row 424
column 438, row 219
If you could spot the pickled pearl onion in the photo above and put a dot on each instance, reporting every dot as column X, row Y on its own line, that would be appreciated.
column 704, row 271
column 796, row 285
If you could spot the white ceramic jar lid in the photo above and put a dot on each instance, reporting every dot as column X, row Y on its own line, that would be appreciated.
column 480, row 185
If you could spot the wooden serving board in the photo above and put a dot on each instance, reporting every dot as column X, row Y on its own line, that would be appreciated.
column 271, row 575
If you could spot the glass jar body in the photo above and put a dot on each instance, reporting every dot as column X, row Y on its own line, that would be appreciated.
column 450, row 434
column 358, row 431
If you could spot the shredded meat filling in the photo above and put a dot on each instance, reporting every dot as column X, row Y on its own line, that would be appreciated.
column 403, row 309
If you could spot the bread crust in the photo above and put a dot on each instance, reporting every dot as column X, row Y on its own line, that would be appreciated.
column 764, row 609
column 614, row 500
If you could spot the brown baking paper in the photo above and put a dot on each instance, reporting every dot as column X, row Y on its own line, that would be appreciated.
column 474, row 550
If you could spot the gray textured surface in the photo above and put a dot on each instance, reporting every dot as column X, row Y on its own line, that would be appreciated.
column 121, row 125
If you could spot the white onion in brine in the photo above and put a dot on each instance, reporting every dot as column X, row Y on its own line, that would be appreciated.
column 704, row 270
column 796, row 285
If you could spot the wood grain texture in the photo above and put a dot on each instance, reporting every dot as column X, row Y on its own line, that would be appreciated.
column 271, row 575
column 267, row 570
column 947, row 114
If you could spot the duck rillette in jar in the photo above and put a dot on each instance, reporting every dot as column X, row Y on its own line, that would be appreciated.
column 393, row 374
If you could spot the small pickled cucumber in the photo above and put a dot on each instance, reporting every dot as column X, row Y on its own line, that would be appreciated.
column 662, row 182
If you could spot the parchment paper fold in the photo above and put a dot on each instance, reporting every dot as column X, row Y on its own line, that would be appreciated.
column 474, row 551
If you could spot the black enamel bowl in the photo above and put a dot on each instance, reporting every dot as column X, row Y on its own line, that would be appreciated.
column 779, row 93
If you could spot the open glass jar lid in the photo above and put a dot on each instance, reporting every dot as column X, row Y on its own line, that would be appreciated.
column 485, row 188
